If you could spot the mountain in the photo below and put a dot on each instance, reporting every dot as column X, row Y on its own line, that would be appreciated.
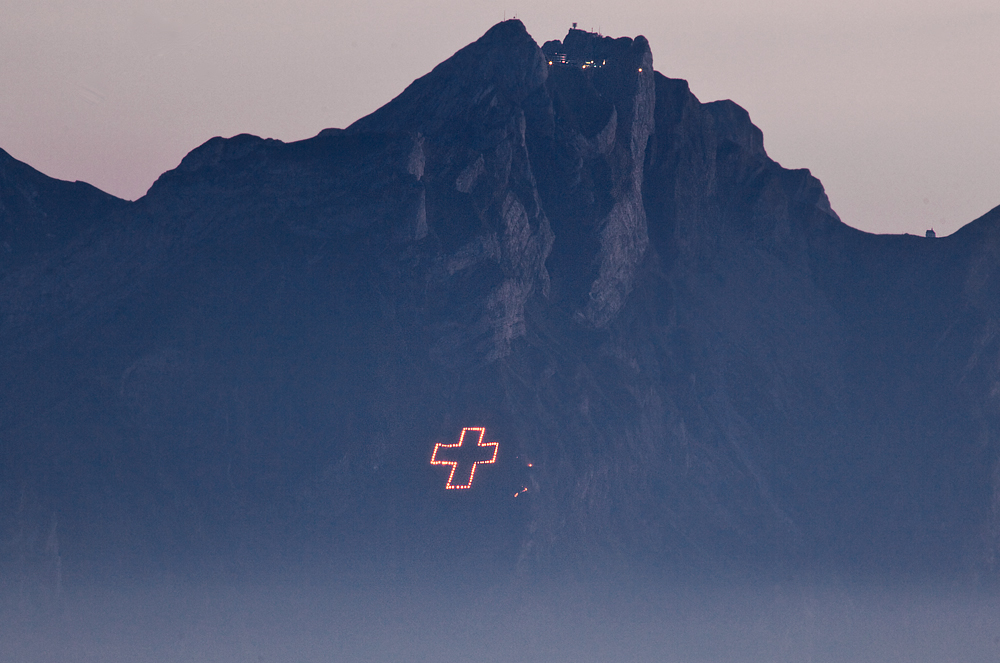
column 38, row 213
column 687, row 360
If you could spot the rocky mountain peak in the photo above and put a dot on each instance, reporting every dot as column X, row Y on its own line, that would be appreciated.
column 591, row 50
column 503, row 67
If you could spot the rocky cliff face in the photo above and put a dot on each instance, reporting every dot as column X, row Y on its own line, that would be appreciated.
column 687, row 359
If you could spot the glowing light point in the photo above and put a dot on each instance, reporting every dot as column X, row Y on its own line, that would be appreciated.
column 468, row 451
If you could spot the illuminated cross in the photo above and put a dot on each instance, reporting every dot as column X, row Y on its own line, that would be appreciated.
column 468, row 454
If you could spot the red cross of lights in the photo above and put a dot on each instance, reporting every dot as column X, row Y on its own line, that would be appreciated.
column 477, row 453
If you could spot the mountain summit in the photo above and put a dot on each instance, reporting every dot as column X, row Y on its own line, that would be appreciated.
column 684, row 358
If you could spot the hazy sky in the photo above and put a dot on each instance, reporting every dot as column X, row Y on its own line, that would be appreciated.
column 893, row 104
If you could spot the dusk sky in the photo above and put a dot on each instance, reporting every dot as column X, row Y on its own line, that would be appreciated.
column 893, row 104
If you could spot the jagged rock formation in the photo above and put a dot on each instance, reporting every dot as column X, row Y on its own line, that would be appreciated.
column 686, row 357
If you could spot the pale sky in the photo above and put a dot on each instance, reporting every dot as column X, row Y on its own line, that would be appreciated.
column 893, row 104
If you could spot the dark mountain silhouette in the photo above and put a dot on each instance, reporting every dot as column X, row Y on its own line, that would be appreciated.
column 687, row 360
column 38, row 213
